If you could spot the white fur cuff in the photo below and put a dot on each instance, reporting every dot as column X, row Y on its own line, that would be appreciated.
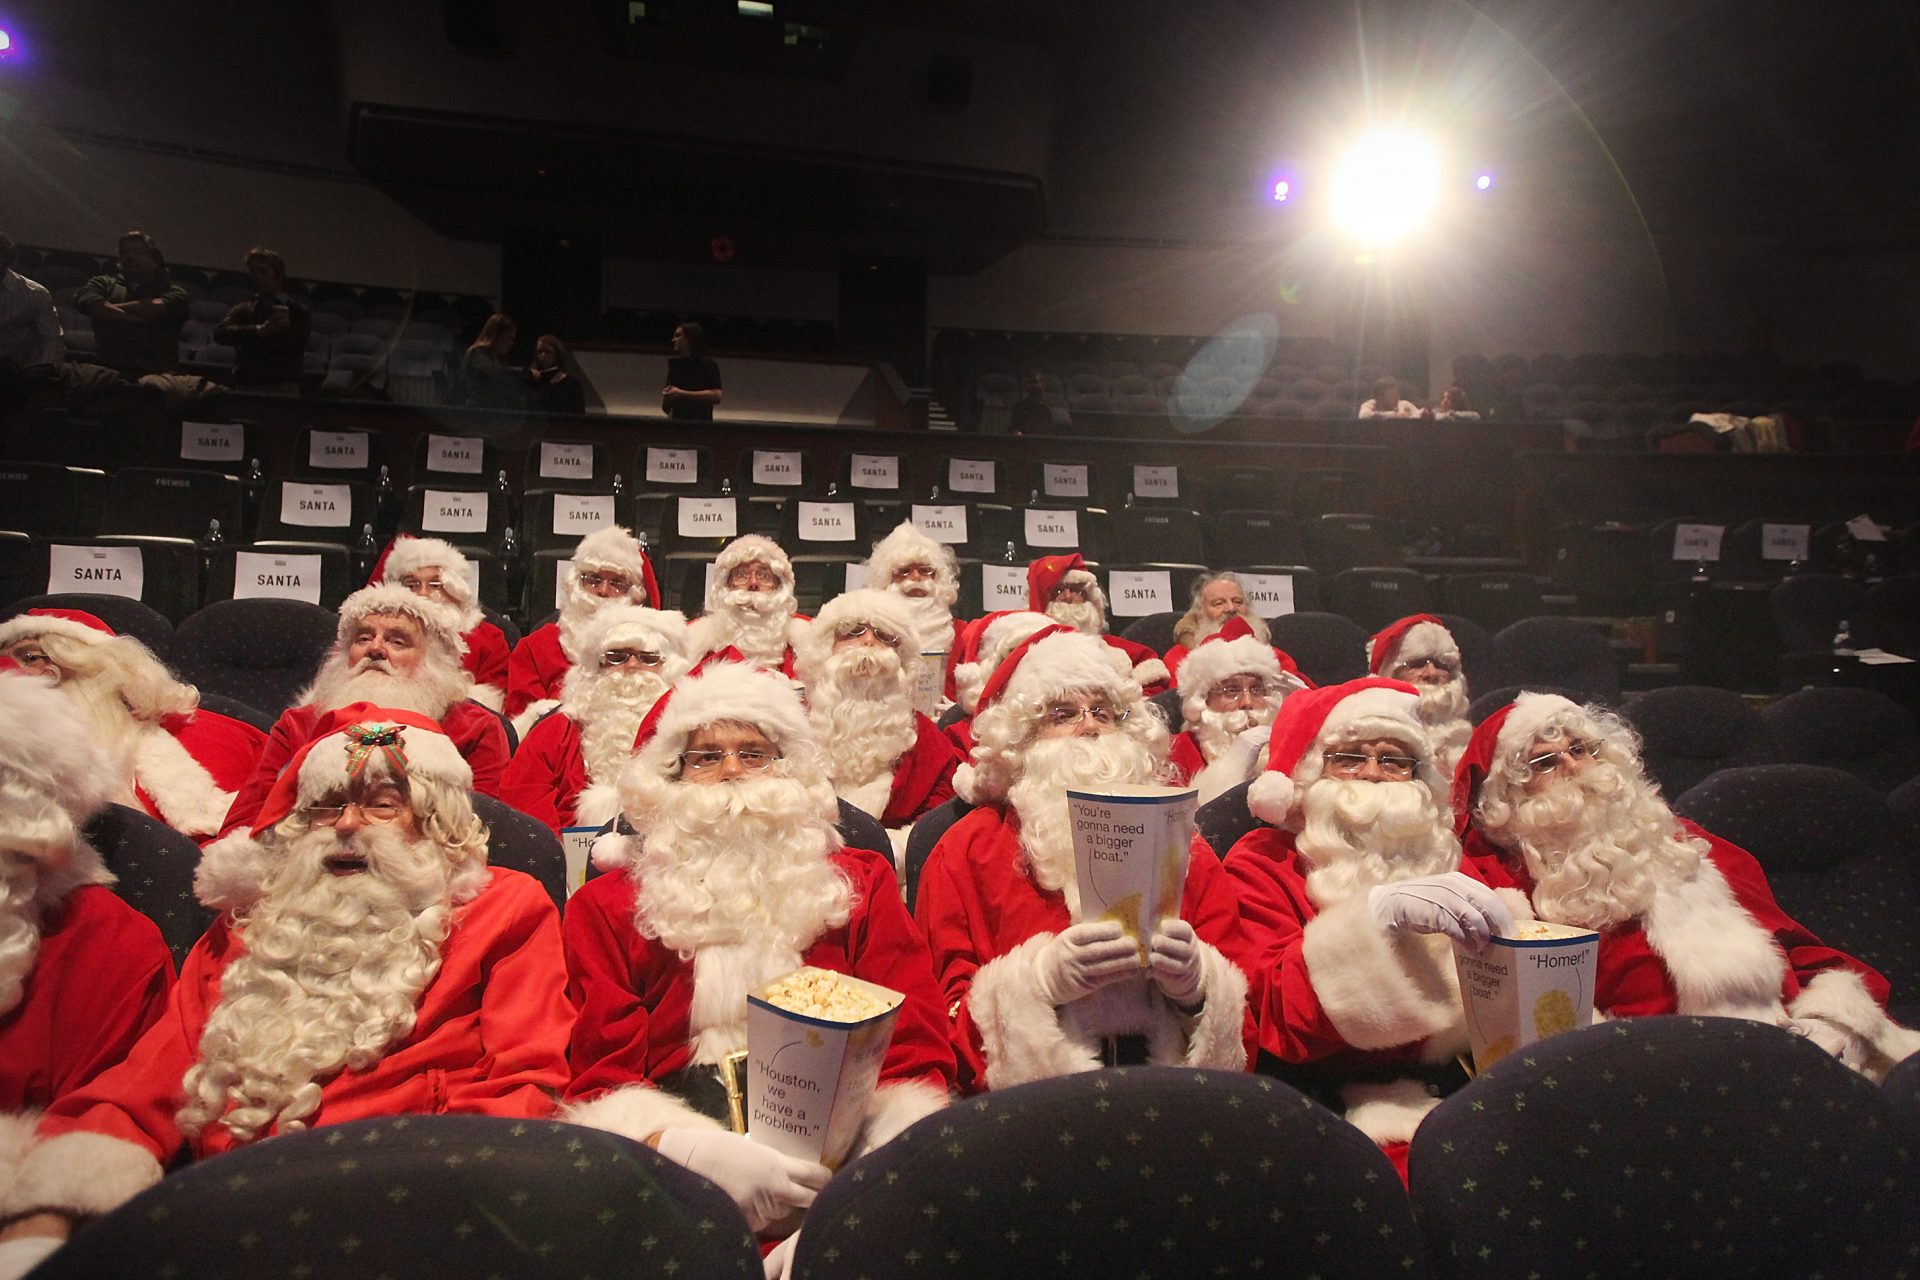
column 81, row 1175
column 1214, row 1039
column 637, row 1111
column 232, row 872
column 1388, row 1112
column 1839, row 996
column 1020, row 1033
column 895, row 1108
column 16, row 1139
column 1380, row 989
column 490, row 696
column 525, row 720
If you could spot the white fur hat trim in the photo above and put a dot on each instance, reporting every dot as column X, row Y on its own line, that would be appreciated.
column 615, row 625
column 735, row 691
column 441, row 621
column 747, row 548
column 611, row 547
column 1366, row 713
column 24, row 625
column 886, row 610
column 1423, row 640
column 1062, row 664
column 429, row 755
column 908, row 545
column 1531, row 714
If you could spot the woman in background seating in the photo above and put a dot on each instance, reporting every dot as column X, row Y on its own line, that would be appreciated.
column 553, row 381
column 693, row 379
column 488, row 380
column 1386, row 402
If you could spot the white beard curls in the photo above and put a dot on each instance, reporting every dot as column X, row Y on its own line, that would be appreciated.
column 1084, row 617
column 862, row 711
column 1443, row 703
column 611, row 706
column 931, row 608
column 429, row 690
column 1039, row 797
column 1218, row 729
column 330, row 977
column 754, row 622
column 116, row 730
column 1599, row 846
column 1357, row 834
column 581, row 605
column 737, row 877
column 19, row 929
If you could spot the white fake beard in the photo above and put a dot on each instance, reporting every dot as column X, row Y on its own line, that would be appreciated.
column 1357, row 834
column 331, row 974
column 932, row 606
column 19, row 928
column 1039, row 796
column 1599, row 846
column 1204, row 627
column 116, row 730
column 1442, row 704
column 755, row 622
column 862, row 711
column 1084, row 617
column 612, row 705
column 428, row 691
column 1217, row 729
column 579, row 608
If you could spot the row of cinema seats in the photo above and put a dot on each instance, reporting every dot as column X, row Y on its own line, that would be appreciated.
column 1658, row 1147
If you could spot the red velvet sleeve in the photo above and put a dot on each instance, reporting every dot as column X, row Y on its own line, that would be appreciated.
column 611, row 1036
column 525, row 1017
column 111, row 989
column 886, row 947
column 1209, row 903
column 487, row 657
column 289, row 734
column 536, row 780
column 482, row 740
column 1273, row 913
column 950, row 911
column 528, row 678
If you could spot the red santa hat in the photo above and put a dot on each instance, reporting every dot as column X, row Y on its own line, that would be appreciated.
column 1502, row 735
column 1045, row 575
column 1052, row 662
column 52, row 780
column 886, row 610
column 908, row 544
column 985, row 642
column 615, row 548
column 722, row 687
column 407, row 554
column 1419, row 636
column 440, row 622
column 361, row 740
column 1232, row 650
column 74, row 624
column 1313, row 720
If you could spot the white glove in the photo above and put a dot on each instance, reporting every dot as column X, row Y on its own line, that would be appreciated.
column 1253, row 743
column 1451, row 903
column 1083, row 958
column 1849, row 1048
column 17, row 1257
column 778, row 1263
column 1174, row 955
column 764, row 1183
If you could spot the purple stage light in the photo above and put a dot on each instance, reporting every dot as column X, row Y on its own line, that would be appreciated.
column 1282, row 188
column 6, row 42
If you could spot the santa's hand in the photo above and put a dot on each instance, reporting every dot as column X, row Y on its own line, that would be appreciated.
column 1084, row 958
column 778, row 1262
column 1453, row 903
column 23, row 1254
column 764, row 1183
column 1849, row 1048
column 1174, row 955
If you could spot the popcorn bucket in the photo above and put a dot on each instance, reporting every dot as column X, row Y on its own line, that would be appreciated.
column 577, row 844
column 815, row 1042
column 1130, row 847
column 1524, row 988
column 929, row 680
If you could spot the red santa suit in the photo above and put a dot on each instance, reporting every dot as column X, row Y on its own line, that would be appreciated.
column 1184, row 758
column 475, row 731
column 1043, row 579
column 715, row 630
column 548, row 772
column 634, row 995
column 490, row 1039
column 486, row 661
column 536, row 670
column 100, row 980
column 486, row 657
column 985, row 918
column 1716, row 944
column 538, row 665
column 923, row 779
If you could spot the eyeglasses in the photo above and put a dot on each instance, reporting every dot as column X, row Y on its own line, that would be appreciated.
column 752, row 578
column 1580, row 749
column 908, row 572
column 1070, row 591
column 621, row 657
column 420, row 587
column 1350, row 763
column 594, row 581
column 707, row 761
column 1438, row 664
column 1232, row 690
column 328, row 815
column 1062, row 714
column 855, row 630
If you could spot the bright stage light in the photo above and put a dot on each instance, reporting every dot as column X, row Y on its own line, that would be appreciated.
column 1385, row 185
column 1483, row 183
column 1281, row 190
column 6, row 42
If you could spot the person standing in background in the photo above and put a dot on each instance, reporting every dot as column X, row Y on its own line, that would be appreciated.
column 693, row 379
column 553, row 385
column 488, row 378
column 269, row 330
column 137, row 311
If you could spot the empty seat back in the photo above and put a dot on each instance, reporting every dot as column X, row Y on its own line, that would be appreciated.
column 171, row 502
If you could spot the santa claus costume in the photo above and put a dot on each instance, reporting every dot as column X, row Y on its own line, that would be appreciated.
column 1687, row 922
column 181, row 764
column 1443, row 703
column 1218, row 750
column 486, row 656
column 538, row 665
column 760, row 625
column 735, row 883
column 884, row 757
column 1353, row 1006
column 999, row 889
column 984, row 642
column 436, row 689
column 82, row 974
column 932, row 600
column 1044, row 577
column 378, row 973
column 566, row 771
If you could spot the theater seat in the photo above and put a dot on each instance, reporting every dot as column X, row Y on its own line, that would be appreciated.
column 1225, row 820
column 1123, row 1172
column 155, row 867
column 1864, row 733
column 1327, row 647
column 126, row 617
column 262, row 652
column 921, row 839
column 1688, row 732
column 1560, row 652
column 424, row 1195
column 1663, row 1147
column 521, row 843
